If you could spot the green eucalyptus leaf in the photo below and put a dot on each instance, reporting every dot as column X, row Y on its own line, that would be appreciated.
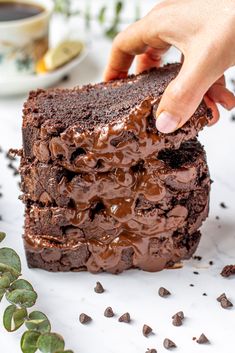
column 50, row 343
column 14, row 317
column 118, row 7
column 4, row 281
column 23, row 297
column 2, row 236
column 38, row 321
column 101, row 15
column 10, row 262
column 2, row 292
column 21, row 284
column 29, row 341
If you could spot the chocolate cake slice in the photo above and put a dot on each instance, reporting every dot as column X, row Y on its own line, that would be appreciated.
column 103, row 189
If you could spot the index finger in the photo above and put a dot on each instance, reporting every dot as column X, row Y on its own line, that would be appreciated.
column 129, row 43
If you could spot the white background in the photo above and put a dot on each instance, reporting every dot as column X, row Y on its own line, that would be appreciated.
column 64, row 296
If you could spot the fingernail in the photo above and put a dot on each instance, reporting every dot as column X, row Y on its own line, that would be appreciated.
column 167, row 123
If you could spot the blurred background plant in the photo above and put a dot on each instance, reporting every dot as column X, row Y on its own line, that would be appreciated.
column 110, row 24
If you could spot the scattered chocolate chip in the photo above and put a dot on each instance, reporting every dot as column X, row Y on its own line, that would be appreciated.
column 223, row 295
column 217, row 217
column 196, row 272
column 125, row 318
column 168, row 344
column 228, row 271
column 222, row 204
column 147, row 330
column 108, row 312
column 191, row 285
column 177, row 321
column 99, row 288
column 151, row 350
column 202, row 339
column 205, row 295
column 211, row 263
column 163, row 292
column 194, row 338
column 233, row 118
column 225, row 303
column 65, row 78
column 84, row 318
column 180, row 314
column 198, row 258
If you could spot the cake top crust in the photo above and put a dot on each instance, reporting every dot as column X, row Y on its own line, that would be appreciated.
column 100, row 104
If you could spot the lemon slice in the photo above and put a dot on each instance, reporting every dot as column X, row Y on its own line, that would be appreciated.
column 61, row 54
column 41, row 67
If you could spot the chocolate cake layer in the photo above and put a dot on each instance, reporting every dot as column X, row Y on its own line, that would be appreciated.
column 105, row 126
column 106, row 237
column 155, row 179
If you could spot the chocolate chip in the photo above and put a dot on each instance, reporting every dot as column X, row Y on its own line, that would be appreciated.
column 223, row 295
column 194, row 338
column 204, row 294
column 152, row 350
column 222, row 204
column 180, row 314
column 99, row 288
column 168, row 344
column 108, row 312
column 196, row 272
column 225, row 303
column 84, row 318
column 198, row 258
column 211, row 263
column 217, row 217
column 202, row 339
column 163, row 292
column 147, row 330
column 177, row 321
column 228, row 271
column 191, row 285
column 125, row 318
column 65, row 78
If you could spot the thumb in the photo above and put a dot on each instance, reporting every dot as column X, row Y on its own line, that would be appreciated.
column 183, row 95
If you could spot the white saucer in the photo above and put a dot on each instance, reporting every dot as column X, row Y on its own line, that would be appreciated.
column 17, row 85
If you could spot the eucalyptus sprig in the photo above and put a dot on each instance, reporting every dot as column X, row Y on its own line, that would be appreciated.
column 21, row 296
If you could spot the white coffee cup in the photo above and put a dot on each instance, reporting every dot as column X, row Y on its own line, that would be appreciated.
column 23, row 42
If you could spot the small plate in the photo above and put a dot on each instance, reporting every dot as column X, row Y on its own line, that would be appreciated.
column 17, row 85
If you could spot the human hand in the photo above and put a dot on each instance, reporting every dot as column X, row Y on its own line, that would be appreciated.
column 204, row 32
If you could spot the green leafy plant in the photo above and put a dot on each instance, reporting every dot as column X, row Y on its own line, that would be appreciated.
column 64, row 7
column 21, row 296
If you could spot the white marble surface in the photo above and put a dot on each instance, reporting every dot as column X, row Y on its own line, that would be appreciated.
column 64, row 296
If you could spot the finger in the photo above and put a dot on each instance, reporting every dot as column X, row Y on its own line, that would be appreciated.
column 126, row 45
column 184, row 94
column 151, row 58
column 220, row 94
column 215, row 111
